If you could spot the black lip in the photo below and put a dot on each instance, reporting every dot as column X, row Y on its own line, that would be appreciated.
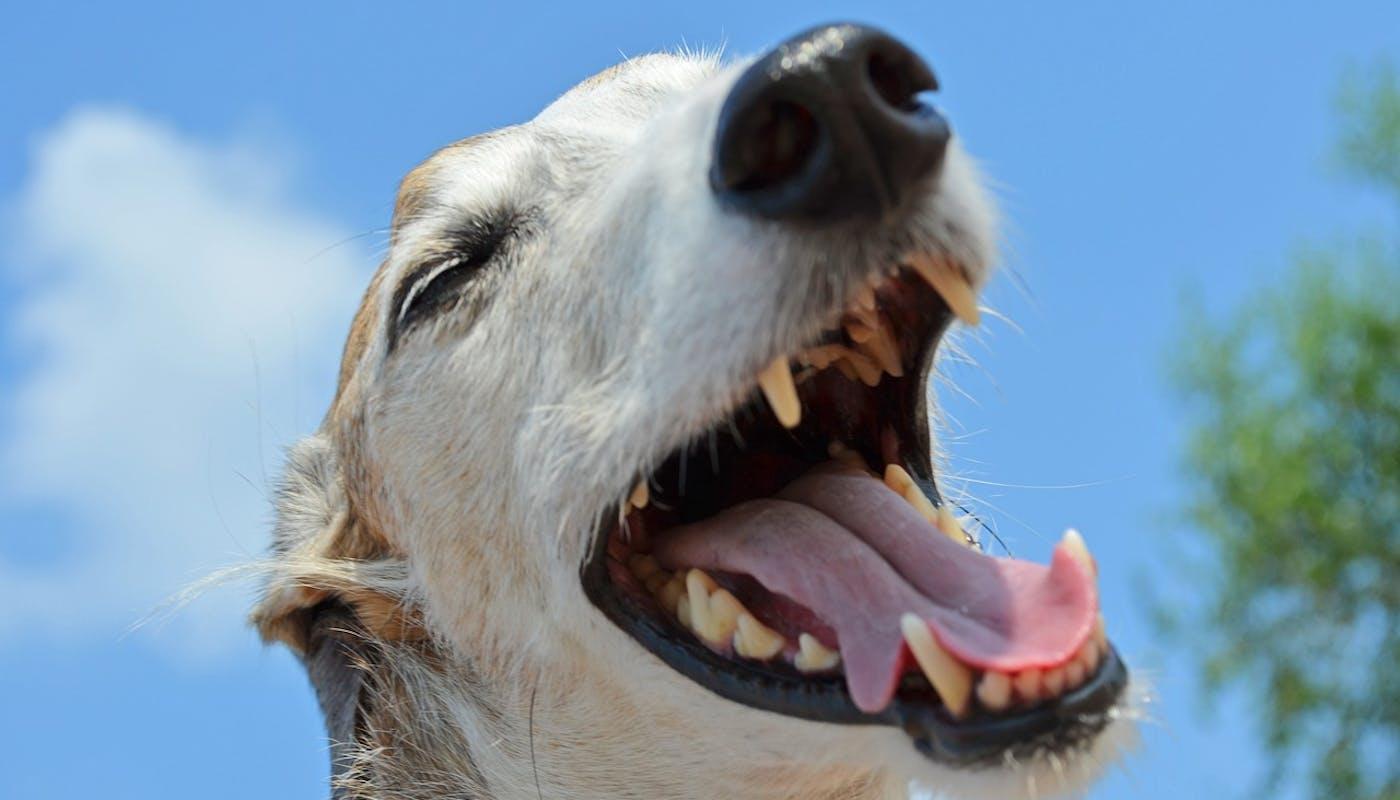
column 983, row 740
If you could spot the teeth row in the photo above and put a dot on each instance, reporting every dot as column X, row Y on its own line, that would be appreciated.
column 874, row 338
column 719, row 619
column 876, row 350
column 904, row 485
column 997, row 691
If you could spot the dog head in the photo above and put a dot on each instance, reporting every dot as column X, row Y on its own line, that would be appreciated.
column 636, row 407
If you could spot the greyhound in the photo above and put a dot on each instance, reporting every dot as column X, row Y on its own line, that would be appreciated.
column 628, row 486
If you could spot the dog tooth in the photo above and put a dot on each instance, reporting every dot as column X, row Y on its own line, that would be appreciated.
column 1088, row 657
column 883, row 348
column 915, row 497
column 846, row 368
column 858, row 331
column 820, row 356
column 777, row 385
column 641, row 495
column 1053, row 682
column 1074, row 674
column 897, row 478
column 657, row 580
column 701, row 578
column 1028, row 685
column 838, row 451
column 951, row 528
column 950, row 283
column 683, row 611
column 753, row 639
column 868, row 371
column 813, row 656
column 1100, row 637
column 671, row 594
column 697, row 589
column 723, row 618
column 994, row 691
column 1075, row 546
column 951, row 679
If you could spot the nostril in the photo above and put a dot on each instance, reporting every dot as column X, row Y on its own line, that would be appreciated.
column 896, row 81
column 775, row 145
column 889, row 83
column 827, row 126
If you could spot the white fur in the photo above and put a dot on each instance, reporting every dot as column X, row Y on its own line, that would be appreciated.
column 630, row 316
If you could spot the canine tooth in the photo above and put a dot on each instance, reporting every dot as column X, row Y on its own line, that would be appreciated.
column 641, row 495
column 951, row 679
column 776, row 383
column 1053, row 682
column 753, row 639
column 994, row 691
column 1028, row 685
column 813, row 656
column 1074, row 544
column 643, row 566
column 949, row 282
column 1100, row 637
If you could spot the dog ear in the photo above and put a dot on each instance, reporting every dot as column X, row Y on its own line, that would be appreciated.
column 324, row 554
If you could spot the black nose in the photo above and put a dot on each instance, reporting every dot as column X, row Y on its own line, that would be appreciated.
column 827, row 126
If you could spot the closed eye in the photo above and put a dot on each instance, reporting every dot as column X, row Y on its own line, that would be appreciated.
column 438, row 283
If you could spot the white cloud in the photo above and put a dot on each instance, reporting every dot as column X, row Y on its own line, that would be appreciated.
column 182, row 319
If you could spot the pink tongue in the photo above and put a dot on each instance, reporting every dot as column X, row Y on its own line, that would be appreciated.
column 841, row 543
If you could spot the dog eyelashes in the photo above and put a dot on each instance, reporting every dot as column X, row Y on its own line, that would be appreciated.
column 434, row 286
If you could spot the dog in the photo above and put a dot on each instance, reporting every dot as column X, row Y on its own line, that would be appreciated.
column 628, row 487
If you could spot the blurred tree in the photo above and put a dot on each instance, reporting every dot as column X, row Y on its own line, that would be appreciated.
column 1293, row 469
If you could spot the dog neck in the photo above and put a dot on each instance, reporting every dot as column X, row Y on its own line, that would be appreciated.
column 404, row 721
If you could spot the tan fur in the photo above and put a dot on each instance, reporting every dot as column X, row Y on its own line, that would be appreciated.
column 453, row 489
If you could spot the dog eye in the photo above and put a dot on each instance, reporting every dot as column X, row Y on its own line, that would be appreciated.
column 435, row 286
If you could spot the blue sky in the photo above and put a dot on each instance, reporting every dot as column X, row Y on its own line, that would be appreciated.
column 156, row 162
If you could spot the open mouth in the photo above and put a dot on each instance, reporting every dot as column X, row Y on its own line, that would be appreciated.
column 799, row 559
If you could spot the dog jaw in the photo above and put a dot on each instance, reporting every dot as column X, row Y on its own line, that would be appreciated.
column 478, row 452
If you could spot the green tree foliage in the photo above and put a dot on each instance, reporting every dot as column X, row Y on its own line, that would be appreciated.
column 1293, row 469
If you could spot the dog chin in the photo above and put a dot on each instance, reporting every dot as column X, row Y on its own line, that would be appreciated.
column 1043, row 776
